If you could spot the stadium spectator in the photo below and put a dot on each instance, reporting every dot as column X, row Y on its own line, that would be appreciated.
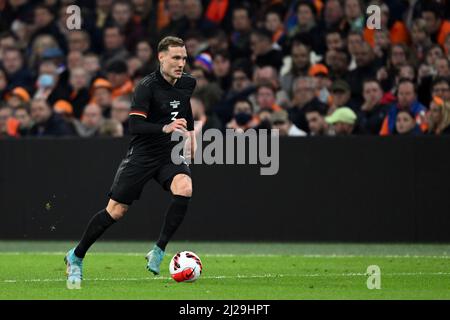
column 338, row 62
column 437, row 27
column 122, row 15
column 111, row 128
column 3, row 83
column 24, row 119
column 16, row 71
column 321, row 75
column 263, row 52
column 341, row 95
column 300, row 57
column 439, row 117
column 101, row 93
column 315, row 116
column 18, row 97
column 274, row 23
column 343, row 121
column 266, row 97
column 221, row 66
column 120, row 110
column 114, row 45
column 372, row 111
column 304, row 89
column 406, row 125
column 117, row 75
column 78, row 40
column 144, row 52
column 46, row 121
column 243, row 116
column 280, row 120
column 406, row 100
column 240, row 36
column 177, row 20
column 91, row 120
column 199, row 114
column 5, row 115
column 441, row 88
column 334, row 40
column 79, row 94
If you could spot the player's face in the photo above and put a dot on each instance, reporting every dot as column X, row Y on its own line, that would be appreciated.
column 173, row 61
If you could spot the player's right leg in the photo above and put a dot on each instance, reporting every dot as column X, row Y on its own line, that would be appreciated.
column 96, row 227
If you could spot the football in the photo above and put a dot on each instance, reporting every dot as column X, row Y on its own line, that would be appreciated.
column 185, row 266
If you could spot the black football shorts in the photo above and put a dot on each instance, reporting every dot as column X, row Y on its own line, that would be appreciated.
column 132, row 175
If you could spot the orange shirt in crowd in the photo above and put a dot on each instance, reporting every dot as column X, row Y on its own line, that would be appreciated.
column 126, row 88
column 397, row 34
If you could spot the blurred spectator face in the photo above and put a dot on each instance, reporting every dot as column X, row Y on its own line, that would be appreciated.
column 418, row 32
column 241, row 21
column 304, row 91
column 340, row 97
column 372, row 92
column 49, row 68
column 435, row 112
column 305, row 16
column 273, row 22
column 407, row 72
column 91, row 64
column 265, row 97
column 337, row 61
column 240, row 81
column 442, row 90
column 447, row 45
column 74, row 59
column 113, row 39
column 78, row 41
column 242, row 107
column 282, row 126
column 120, row 109
column 104, row 5
column 12, row 61
column 78, row 78
column 404, row 122
column 200, row 76
column 133, row 64
column 198, row 109
column 23, row 117
column 92, row 116
column 111, row 128
column 434, row 54
column 316, row 123
column 442, row 67
column 218, row 42
column 102, row 97
column 398, row 56
column 352, row 9
column 144, row 51
column 266, row 74
column 42, row 17
column 354, row 41
column 363, row 55
column 406, row 95
column 117, row 79
column 40, row 111
column 259, row 45
column 193, row 9
column 382, row 39
column 221, row 66
column 5, row 114
column 333, row 12
column 43, row 42
column 300, row 56
column 192, row 46
column 121, row 13
column 343, row 128
column 3, row 81
column 175, row 9
column 334, row 41
column 432, row 22
column 6, row 42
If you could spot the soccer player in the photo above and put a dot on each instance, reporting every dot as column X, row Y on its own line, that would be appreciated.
column 160, row 106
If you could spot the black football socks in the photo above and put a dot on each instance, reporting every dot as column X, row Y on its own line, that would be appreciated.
column 97, row 225
column 174, row 217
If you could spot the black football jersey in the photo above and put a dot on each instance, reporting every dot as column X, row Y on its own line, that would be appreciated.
column 161, row 102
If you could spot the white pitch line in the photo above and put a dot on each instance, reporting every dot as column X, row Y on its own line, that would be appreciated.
column 337, row 256
column 314, row 275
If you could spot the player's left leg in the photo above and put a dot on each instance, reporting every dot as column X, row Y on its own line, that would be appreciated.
column 181, row 188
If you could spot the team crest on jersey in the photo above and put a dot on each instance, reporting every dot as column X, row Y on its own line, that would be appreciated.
column 174, row 104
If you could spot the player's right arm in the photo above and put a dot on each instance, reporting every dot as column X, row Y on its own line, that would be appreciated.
column 139, row 112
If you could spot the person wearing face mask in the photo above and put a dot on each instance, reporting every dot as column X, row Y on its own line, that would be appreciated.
column 243, row 118
column 48, row 83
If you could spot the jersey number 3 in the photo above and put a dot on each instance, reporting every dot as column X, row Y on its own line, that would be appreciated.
column 174, row 115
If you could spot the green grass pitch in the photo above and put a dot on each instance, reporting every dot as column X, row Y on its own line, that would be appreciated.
column 116, row 270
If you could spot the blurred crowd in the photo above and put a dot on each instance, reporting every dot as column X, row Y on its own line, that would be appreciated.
column 309, row 67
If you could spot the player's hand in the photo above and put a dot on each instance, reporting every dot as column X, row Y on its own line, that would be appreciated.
column 177, row 125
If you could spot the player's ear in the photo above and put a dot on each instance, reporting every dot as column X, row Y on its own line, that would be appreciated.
column 161, row 56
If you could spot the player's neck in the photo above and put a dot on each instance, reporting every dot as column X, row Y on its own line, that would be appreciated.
column 168, row 78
